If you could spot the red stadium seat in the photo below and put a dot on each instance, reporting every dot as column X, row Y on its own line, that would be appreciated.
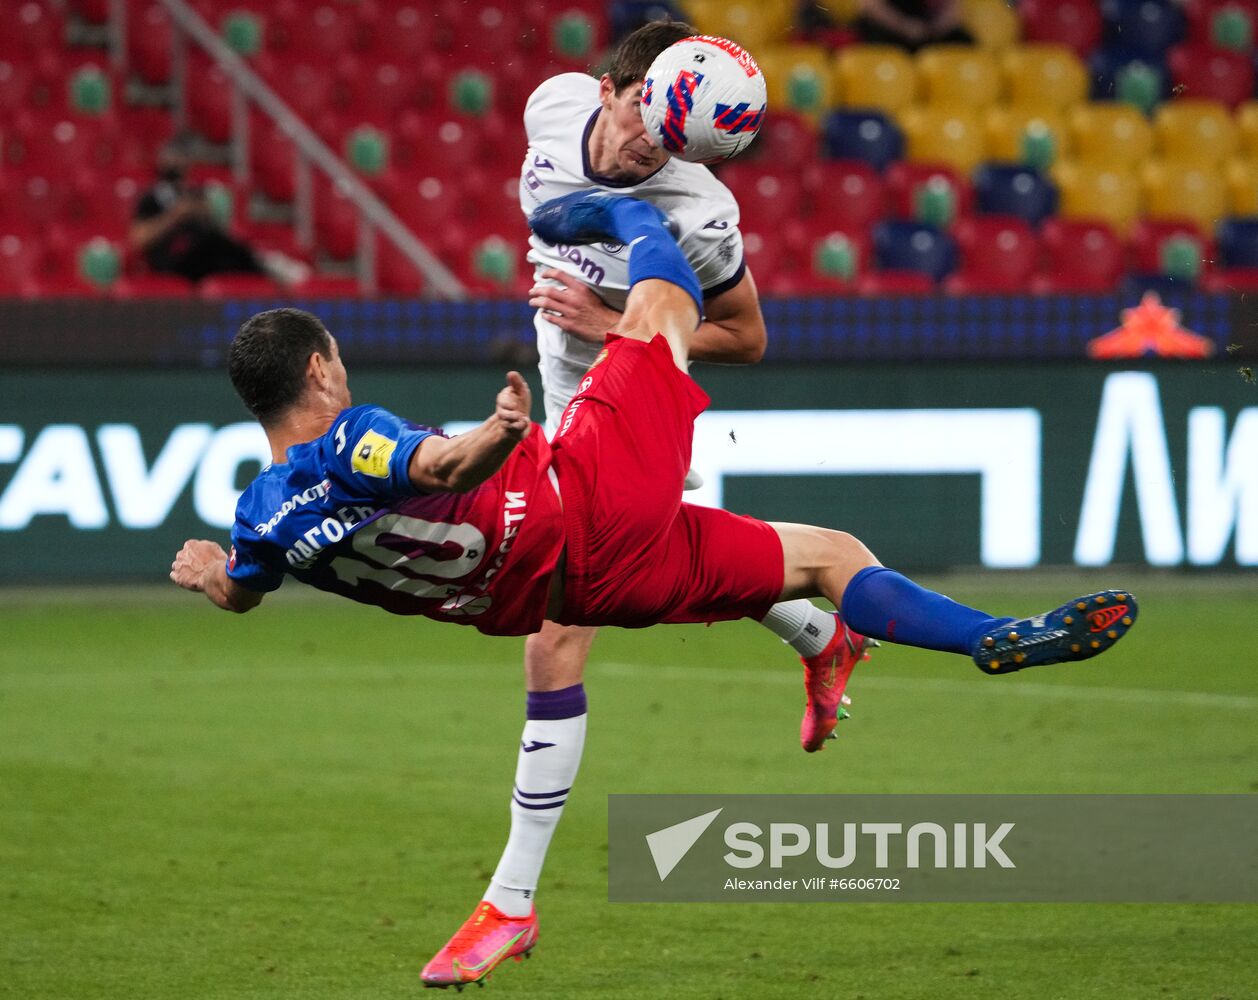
column 904, row 178
column 209, row 101
column 765, row 195
column 395, row 274
column 149, row 43
column 152, row 286
column 243, row 286
column 322, row 286
column 316, row 31
column 273, row 159
column 490, row 29
column 889, row 283
column 19, row 262
column 1079, row 256
column 335, row 222
column 787, row 140
column 375, row 92
column 30, row 26
column 1204, row 71
column 424, row 203
column 1200, row 14
column 1149, row 235
column 847, row 194
column 998, row 254
column 1075, row 24
column 405, row 34
column 1231, row 279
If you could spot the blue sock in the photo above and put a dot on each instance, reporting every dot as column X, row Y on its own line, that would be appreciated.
column 653, row 253
column 882, row 604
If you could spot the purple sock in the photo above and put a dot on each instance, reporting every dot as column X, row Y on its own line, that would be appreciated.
column 566, row 703
column 882, row 604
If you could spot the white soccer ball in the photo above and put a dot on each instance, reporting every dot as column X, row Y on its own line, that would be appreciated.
column 704, row 99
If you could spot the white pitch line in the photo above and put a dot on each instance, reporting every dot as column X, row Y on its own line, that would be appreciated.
column 869, row 678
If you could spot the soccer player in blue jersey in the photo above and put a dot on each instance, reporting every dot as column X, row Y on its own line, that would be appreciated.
column 501, row 529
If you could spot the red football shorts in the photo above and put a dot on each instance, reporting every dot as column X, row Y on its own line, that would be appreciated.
column 637, row 555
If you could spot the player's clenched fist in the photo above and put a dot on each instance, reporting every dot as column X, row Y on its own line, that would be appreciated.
column 515, row 403
column 197, row 555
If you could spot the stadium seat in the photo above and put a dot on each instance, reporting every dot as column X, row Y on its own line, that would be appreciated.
column 1247, row 125
column 875, row 76
column 1110, row 133
column 395, row 274
column 1149, row 236
column 894, row 283
column 1230, row 280
column 149, row 43
column 335, row 221
column 1197, row 130
column 951, row 135
column 828, row 248
column 405, row 34
column 754, row 24
column 31, row 27
column 1120, row 74
column 1242, row 186
column 904, row 180
column 958, row 75
column 1098, row 191
column 306, row 87
column 375, row 92
column 765, row 194
column 799, row 78
column 910, row 246
column 1015, row 190
column 1079, row 256
column 1174, row 190
column 1201, row 14
column 1076, row 24
column 1238, row 242
column 209, row 101
column 491, row 29
column 998, row 254
column 863, row 135
column 993, row 23
column 151, row 286
column 273, row 161
column 844, row 194
column 1043, row 75
column 330, row 286
column 768, row 258
column 1207, row 72
column 242, row 286
column 1012, row 132
column 787, row 138
column 1143, row 27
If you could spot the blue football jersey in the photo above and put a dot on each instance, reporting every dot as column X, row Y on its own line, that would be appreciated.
column 342, row 515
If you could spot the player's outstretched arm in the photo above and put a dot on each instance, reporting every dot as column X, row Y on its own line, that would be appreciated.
column 460, row 464
column 201, row 566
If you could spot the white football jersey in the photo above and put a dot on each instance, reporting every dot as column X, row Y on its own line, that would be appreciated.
column 558, row 120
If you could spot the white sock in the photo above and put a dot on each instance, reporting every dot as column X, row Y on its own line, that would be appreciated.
column 550, row 754
column 801, row 625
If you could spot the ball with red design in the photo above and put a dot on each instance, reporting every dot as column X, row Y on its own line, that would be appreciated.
column 703, row 99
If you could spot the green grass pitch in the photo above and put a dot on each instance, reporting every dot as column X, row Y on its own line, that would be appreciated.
column 306, row 801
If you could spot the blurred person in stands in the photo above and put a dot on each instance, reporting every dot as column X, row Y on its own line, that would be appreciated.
column 175, row 231
column 911, row 24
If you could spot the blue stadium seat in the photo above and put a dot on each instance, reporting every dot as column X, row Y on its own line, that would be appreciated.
column 629, row 15
column 1104, row 66
column 863, row 135
column 912, row 246
column 1012, row 189
column 1146, row 27
column 1238, row 242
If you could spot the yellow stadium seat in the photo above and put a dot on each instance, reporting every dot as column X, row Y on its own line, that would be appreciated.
column 1242, row 187
column 754, row 26
column 939, row 134
column 798, row 77
column 1180, row 190
column 1044, row 74
column 958, row 74
column 1196, row 130
column 1098, row 191
column 1110, row 132
column 1247, row 125
column 844, row 10
column 875, row 76
column 1007, row 125
column 993, row 23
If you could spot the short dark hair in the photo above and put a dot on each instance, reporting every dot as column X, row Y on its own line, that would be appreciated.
column 268, row 357
column 638, row 49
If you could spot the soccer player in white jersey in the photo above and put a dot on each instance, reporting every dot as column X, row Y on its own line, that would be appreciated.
column 584, row 134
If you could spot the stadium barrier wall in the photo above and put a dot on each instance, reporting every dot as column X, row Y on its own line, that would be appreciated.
column 103, row 474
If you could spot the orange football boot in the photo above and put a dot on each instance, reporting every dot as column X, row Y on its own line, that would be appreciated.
column 825, row 677
column 487, row 939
